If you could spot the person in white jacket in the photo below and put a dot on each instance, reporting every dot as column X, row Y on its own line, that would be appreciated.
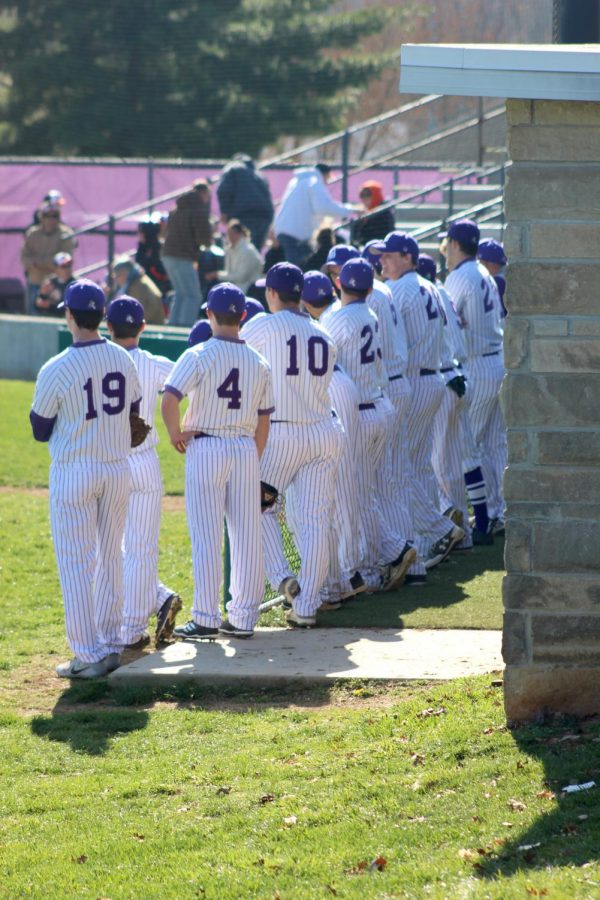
column 243, row 262
column 305, row 203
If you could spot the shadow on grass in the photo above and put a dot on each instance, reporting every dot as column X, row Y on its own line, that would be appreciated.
column 568, row 835
column 87, row 730
column 446, row 585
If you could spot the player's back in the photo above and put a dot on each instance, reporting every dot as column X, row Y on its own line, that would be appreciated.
column 355, row 330
column 475, row 295
column 301, row 355
column 392, row 332
column 228, row 383
column 90, row 389
column 423, row 316
column 152, row 372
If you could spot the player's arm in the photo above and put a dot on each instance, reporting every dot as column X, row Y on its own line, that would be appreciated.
column 181, row 380
column 169, row 408
column 262, row 433
column 44, row 408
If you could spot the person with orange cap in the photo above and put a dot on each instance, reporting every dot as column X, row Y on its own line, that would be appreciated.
column 372, row 225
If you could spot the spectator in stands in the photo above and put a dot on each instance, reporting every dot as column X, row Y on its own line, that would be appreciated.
column 305, row 203
column 243, row 262
column 52, row 289
column 130, row 279
column 274, row 252
column 324, row 241
column 148, row 254
column 42, row 243
column 54, row 198
column 188, row 229
column 376, row 225
column 244, row 194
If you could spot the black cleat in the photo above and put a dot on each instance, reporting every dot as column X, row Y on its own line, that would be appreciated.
column 193, row 632
column 227, row 628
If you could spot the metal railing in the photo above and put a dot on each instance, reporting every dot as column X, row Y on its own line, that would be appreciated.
column 108, row 224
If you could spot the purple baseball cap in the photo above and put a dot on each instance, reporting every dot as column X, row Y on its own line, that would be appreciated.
column 83, row 295
column 397, row 242
column 200, row 332
column 492, row 251
column 357, row 275
column 125, row 311
column 465, row 232
column 318, row 289
column 426, row 267
column 226, row 298
column 340, row 254
column 253, row 308
column 284, row 277
column 372, row 254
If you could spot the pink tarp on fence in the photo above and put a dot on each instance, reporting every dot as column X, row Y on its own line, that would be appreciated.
column 94, row 191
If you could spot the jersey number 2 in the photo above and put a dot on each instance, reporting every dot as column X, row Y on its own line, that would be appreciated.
column 230, row 390
column 113, row 389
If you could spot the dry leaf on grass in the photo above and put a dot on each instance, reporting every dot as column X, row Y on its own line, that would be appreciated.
column 223, row 790
column 516, row 805
column 536, row 892
column 546, row 795
column 430, row 711
column 378, row 864
column 290, row 821
column 417, row 759
column 79, row 859
column 138, row 837
column 266, row 798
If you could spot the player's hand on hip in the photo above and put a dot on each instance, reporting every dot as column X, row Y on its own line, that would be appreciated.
column 181, row 439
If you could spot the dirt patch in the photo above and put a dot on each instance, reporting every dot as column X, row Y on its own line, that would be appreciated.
column 34, row 689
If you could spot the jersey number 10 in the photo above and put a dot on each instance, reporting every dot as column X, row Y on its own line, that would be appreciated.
column 314, row 367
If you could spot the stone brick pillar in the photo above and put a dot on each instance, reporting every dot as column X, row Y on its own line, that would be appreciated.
column 551, row 399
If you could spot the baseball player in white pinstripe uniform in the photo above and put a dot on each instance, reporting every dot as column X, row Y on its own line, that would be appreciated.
column 82, row 405
column 355, row 329
column 305, row 442
column 223, row 433
column 475, row 296
column 421, row 309
column 144, row 593
column 346, row 532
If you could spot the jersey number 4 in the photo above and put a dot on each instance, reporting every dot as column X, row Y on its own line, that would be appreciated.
column 230, row 390
column 113, row 390
column 318, row 356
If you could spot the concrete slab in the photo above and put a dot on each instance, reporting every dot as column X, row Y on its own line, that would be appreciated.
column 279, row 656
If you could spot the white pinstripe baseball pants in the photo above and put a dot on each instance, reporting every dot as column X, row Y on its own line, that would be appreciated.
column 144, row 594
column 393, row 476
column 428, row 391
column 487, row 422
column 308, row 456
column 88, row 505
column 222, row 479
column 447, row 454
column 370, row 448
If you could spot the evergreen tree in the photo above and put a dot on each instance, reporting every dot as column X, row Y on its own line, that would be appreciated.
column 195, row 78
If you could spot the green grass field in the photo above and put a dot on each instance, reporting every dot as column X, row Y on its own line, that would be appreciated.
column 350, row 790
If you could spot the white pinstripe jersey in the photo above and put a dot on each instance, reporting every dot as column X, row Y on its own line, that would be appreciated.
column 89, row 390
column 152, row 371
column 477, row 302
column 301, row 355
column 423, row 316
column 229, row 385
column 453, row 348
column 355, row 330
column 391, row 329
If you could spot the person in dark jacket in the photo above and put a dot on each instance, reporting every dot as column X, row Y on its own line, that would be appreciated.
column 244, row 194
column 324, row 241
column 148, row 254
column 376, row 225
column 188, row 229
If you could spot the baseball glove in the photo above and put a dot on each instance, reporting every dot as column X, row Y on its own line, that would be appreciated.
column 139, row 429
column 458, row 384
column 268, row 496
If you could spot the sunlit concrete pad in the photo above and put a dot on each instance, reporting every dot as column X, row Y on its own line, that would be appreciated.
column 278, row 656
